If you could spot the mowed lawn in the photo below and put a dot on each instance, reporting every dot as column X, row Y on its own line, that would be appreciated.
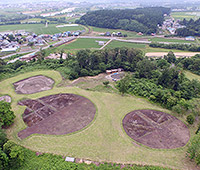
column 40, row 28
column 104, row 139
column 82, row 43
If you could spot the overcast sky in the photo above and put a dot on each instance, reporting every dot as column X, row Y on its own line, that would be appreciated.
column 14, row 1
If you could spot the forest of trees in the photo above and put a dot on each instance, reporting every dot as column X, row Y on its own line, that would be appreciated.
column 163, row 81
column 192, row 28
column 143, row 20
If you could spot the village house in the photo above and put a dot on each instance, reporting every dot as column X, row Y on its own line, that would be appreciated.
column 118, row 70
column 190, row 38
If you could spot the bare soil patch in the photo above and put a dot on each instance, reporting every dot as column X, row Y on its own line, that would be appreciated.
column 6, row 98
column 156, row 129
column 87, row 82
column 177, row 54
column 56, row 114
column 33, row 84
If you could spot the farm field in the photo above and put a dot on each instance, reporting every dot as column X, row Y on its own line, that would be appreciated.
column 115, row 44
column 104, row 139
column 40, row 28
column 104, row 30
column 143, row 47
column 170, row 40
column 186, row 15
column 82, row 43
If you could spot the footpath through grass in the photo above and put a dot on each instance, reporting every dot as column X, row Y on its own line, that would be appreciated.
column 105, row 139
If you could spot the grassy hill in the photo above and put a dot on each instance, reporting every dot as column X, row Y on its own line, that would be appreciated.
column 104, row 139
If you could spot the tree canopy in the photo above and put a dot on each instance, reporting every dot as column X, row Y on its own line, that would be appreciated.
column 143, row 20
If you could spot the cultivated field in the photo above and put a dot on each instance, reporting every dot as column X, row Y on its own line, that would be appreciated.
column 115, row 44
column 39, row 28
column 144, row 47
column 104, row 30
column 104, row 139
column 186, row 15
column 82, row 43
column 173, row 40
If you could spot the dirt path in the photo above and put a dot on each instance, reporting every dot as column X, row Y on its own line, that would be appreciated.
column 177, row 54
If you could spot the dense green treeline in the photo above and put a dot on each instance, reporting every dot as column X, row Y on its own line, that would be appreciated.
column 192, row 28
column 84, row 63
column 192, row 64
column 143, row 20
column 163, row 81
column 184, row 47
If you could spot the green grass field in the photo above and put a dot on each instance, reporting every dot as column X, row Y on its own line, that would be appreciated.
column 39, row 28
column 104, row 139
column 170, row 40
column 186, row 15
column 82, row 43
column 115, row 44
column 192, row 76
column 104, row 30
column 143, row 47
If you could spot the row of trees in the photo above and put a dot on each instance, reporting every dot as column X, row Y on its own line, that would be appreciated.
column 184, row 47
column 192, row 64
column 84, row 63
column 140, row 20
column 192, row 28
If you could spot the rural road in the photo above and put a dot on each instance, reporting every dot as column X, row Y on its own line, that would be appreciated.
column 130, row 41
column 177, row 54
column 10, row 55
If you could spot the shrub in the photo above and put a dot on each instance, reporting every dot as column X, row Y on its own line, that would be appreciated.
column 6, row 114
column 190, row 119
column 106, row 83
column 193, row 151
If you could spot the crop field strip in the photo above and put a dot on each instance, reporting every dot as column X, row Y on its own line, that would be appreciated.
column 39, row 28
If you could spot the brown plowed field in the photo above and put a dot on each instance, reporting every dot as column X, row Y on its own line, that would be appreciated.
column 156, row 129
column 56, row 114
column 33, row 84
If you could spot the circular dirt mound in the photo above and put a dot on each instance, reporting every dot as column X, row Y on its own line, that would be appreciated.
column 56, row 114
column 33, row 85
column 156, row 129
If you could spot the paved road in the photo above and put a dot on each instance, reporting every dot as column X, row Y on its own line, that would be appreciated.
column 130, row 41
column 10, row 55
